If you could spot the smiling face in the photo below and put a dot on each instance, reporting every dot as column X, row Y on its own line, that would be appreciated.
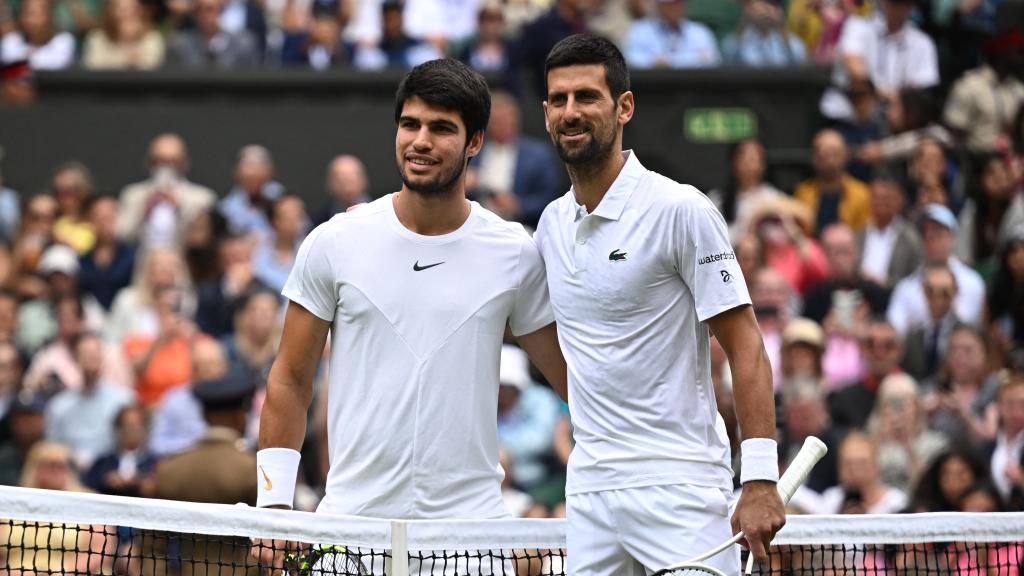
column 583, row 118
column 432, row 147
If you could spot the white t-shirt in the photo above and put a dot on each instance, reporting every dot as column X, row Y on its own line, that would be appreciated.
column 632, row 285
column 417, row 326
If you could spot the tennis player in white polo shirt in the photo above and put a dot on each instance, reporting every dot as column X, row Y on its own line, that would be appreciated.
column 416, row 289
column 640, row 268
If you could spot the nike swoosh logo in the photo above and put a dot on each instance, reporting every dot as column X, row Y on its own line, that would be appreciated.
column 269, row 485
column 416, row 267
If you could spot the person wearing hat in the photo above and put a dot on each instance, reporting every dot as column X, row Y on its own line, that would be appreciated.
column 803, row 347
column 908, row 306
column 983, row 102
column 17, row 86
column 670, row 40
column 527, row 415
column 218, row 470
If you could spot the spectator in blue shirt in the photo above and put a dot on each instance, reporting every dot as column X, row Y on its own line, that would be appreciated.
column 245, row 206
column 108, row 267
column 273, row 259
column 762, row 38
column 670, row 40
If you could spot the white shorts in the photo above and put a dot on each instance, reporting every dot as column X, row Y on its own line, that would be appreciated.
column 637, row 531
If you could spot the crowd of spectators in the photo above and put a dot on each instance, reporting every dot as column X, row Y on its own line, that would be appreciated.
column 889, row 285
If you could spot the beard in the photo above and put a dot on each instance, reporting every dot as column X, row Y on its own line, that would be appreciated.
column 598, row 148
column 440, row 184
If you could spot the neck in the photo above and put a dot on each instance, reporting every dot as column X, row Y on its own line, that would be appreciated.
column 432, row 215
column 830, row 180
column 592, row 181
column 893, row 26
column 284, row 242
column 883, row 223
column 748, row 183
column 89, row 383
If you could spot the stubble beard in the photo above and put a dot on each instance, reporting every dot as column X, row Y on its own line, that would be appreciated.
column 442, row 184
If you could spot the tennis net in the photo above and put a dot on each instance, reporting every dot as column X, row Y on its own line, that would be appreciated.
column 45, row 532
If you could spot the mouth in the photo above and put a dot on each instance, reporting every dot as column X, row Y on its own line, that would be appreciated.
column 573, row 134
column 420, row 163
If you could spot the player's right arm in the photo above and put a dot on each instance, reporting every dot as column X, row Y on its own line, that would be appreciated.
column 290, row 383
column 283, row 420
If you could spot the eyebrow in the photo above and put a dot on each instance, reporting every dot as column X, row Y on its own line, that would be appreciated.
column 438, row 122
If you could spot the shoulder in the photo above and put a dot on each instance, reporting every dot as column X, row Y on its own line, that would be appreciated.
column 554, row 211
column 918, row 39
column 357, row 220
column 495, row 225
column 698, row 30
column 662, row 192
column 642, row 25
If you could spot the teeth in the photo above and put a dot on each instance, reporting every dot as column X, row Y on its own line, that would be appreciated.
column 419, row 162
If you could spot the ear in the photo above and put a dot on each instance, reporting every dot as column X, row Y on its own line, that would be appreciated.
column 476, row 142
column 547, row 125
column 626, row 107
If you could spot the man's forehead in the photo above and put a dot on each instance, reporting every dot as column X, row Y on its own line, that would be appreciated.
column 419, row 109
column 577, row 77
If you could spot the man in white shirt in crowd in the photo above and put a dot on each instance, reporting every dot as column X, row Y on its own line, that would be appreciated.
column 417, row 290
column 890, row 247
column 642, row 273
column 908, row 306
column 887, row 49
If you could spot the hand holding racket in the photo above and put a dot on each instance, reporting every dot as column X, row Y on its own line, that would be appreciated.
column 812, row 451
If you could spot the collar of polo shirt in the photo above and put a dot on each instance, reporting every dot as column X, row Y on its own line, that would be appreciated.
column 614, row 202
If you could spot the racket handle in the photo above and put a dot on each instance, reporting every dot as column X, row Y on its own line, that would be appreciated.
column 797, row 472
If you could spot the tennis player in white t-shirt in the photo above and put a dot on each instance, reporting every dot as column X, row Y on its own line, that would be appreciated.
column 641, row 273
column 416, row 290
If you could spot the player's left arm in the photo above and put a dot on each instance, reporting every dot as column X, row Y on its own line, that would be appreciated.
column 760, row 512
column 542, row 348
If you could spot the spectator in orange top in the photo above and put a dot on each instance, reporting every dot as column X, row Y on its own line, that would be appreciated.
column 164, row 361
column 832, row 194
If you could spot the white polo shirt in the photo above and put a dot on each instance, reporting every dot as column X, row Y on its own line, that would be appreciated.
column 632, row 285
column 417, row 325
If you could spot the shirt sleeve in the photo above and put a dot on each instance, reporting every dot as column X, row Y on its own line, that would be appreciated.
column 923, row 71
column 531, row 309
column 312, row 283
column 705, row 260
column 854, row 39
column 959, row 108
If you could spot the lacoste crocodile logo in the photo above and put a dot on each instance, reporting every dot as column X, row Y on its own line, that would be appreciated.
column 617, row 255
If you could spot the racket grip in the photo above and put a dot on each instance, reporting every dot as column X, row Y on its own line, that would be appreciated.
column 797, row 472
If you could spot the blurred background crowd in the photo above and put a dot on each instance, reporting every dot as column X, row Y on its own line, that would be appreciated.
column 137, row 326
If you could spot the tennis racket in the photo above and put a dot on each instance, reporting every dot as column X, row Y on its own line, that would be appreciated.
column 812, row 451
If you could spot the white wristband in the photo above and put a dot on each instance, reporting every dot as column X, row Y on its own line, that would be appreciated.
column 276, row 471
column 759, row 460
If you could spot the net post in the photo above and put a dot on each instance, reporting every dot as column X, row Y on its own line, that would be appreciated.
column 399, row 549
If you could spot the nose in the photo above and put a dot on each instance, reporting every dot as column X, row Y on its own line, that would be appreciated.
column 422, row 141
column 572, row 112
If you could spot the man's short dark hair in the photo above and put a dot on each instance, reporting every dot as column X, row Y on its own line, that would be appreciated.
column 449, row 84
column 591, row 49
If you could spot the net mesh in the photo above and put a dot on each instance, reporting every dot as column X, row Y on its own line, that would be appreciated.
column 45, row 532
